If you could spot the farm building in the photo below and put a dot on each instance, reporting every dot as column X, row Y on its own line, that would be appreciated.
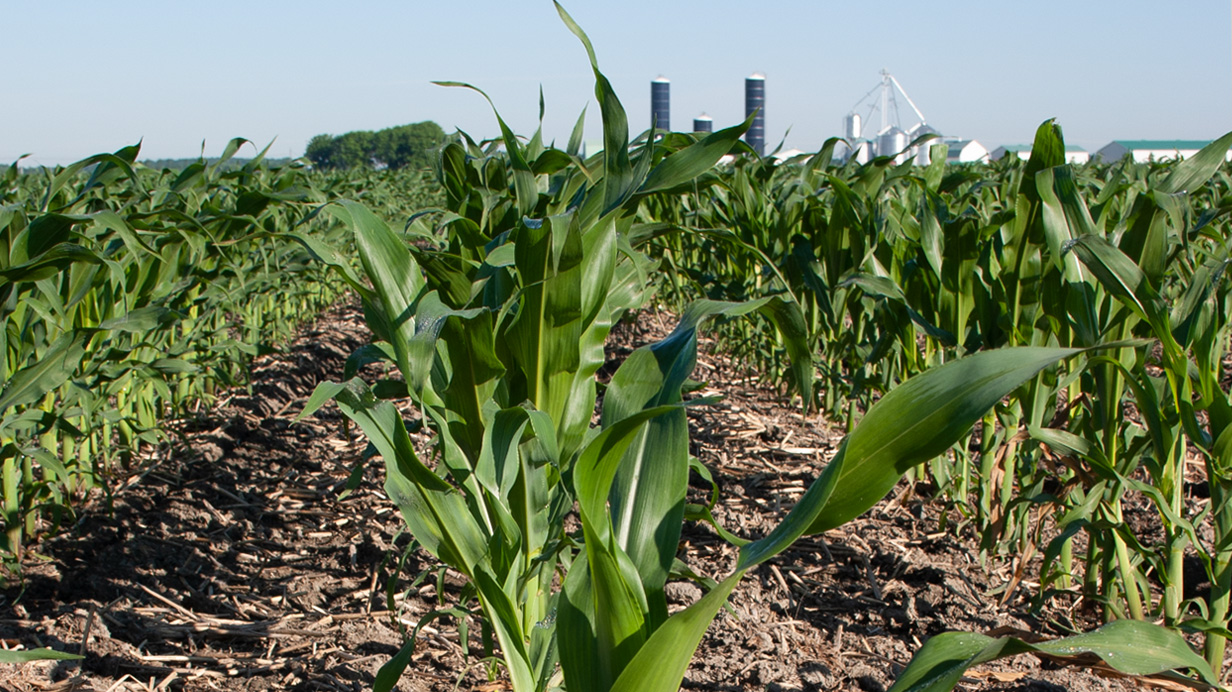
column 1152, row 149
column 1073, row 154
column 965, row 151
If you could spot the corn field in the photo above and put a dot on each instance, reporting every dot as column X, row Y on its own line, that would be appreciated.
column 1039, row 344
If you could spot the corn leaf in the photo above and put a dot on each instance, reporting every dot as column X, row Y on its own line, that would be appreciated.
column 1193, row 172
column 690, row 162
column 619, row 176
column 53, row 369
column 920, row 419
column 36, row 655
column 647, row 498
column 604, row 603
column 436, row 513
column 663, row 660
column 1130, row 646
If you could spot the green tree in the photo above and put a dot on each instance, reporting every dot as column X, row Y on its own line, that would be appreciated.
column 320, row 151
column 402, row 146
column 354, row 149
column 408, row 145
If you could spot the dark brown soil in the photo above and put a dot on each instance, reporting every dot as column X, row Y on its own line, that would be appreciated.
column 235, row 561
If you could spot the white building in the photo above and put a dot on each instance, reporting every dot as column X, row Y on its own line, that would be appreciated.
column 859, row 149
column 1073, row 154
column 1152, row 149
column 964, row 151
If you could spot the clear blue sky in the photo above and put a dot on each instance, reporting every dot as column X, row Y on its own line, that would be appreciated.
column 85, row 77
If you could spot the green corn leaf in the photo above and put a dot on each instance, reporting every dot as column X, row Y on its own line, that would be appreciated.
column 1074, row 445
column 53, row 369
column 690, row 162
column 499, row 460
column 368, row 354
column 326, row 254
column 885, row 287
column 598, row 463
column 662, row 661
column 398, row 282
column 576, row 631
column 48, row 264
column 574, row 147
column 702, row 513
column 619, row 177
column 1193, row 172
column 1130, row 646
column 932, row 214
column 467, row 338
column 172, row 366
column 436, row 513
column 1123, row 279
column 788, row 318
column 228, row 153
column 1047, row 151
column 603, row 592
column 36, row 655
column 803, row 517
column 1186, row 311
column 42, row 234
column 141, row 320
column 391, row 672
column 526, row 192
column 1063, row 213
column 922, row 418
column 321, row 395
column 647, row 498
column 551, row 161
column 48, row 461
column 108, row 165
column 601, row 617
column 505, row 622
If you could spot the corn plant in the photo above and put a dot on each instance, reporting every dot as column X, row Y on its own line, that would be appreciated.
column 1170, row 405
column 496, row 517
column 498, row 334
column 127, row 296
column 497, row 328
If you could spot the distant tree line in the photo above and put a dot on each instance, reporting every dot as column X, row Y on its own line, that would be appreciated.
column 232, row 164
column 403, row 146
column 164, row 164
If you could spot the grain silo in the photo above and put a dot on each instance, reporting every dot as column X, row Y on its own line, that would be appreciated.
column 660, row 104
column 851, row 125
column 703, row 123
column 891, row 142
column 755, row 101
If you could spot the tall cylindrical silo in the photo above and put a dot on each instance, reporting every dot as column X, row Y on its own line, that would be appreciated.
column 852, row 126
column 703, row 123
column 755, row 100
column 660, row 104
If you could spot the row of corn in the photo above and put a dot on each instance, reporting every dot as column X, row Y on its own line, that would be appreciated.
column 567, row 531
column 128, row 296
column 900, row 268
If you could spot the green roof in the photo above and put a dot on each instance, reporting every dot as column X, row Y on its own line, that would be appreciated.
column 1027, row 147
column 1169, row 144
